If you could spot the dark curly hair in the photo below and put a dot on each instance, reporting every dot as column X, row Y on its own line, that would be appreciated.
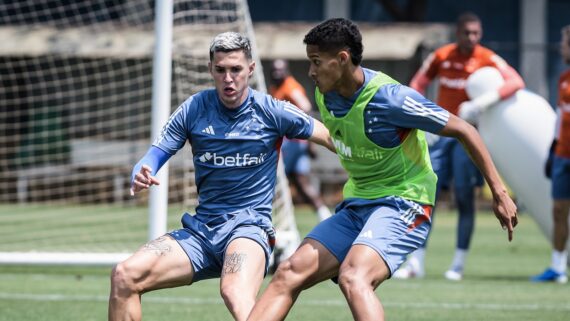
column 337, row 34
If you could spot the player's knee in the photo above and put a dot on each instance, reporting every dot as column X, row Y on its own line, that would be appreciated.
column 349, row 279
column 286, row 275
column 284, row 271
column 354, row 280
column 234, row 296
column 123, row 281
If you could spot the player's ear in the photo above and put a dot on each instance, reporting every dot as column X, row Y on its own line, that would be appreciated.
column 251, row 68
column 210, row 66
column 343, row 57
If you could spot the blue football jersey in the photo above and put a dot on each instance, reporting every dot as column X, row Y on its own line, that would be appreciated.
column 392, row 112
column 235, row 151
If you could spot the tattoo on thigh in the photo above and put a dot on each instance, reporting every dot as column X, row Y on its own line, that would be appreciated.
column 233, row 263
column 158, row 246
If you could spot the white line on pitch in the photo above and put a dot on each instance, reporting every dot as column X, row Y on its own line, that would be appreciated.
column 311, row 302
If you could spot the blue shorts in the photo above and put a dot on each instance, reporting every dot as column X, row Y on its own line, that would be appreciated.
column 206, row 243
column 392, row 226
column 296, row 157
column 560, row 178
column 450, row 161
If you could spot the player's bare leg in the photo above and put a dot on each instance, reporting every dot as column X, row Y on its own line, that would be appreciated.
column 159, row 264
column 359, row 275
column 556, row 272
column 242, row 275
column 309, row 265
column 561, row 210
column 303, row 184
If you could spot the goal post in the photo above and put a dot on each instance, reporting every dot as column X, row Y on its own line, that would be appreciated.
column 161, row 82
column 76, row 115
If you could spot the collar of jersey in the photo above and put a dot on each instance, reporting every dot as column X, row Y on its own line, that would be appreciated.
column 236, row 112
column 368, row 74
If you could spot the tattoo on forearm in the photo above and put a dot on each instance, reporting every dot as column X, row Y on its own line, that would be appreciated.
column 158, row 246
column 233, row 263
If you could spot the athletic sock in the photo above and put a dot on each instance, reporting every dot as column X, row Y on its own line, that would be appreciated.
column 323, row 212
column 459, row 260
column 559, row 261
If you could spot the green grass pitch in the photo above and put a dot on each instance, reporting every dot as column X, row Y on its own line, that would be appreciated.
column 495, row 287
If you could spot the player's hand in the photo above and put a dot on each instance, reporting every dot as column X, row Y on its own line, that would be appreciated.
column 143, row 180
column 550, row 159
column 506, row 212
column 311, row 151
column 548, row 166
column 470, row 112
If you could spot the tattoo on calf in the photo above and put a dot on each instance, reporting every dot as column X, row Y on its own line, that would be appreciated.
column 233, row 263
column 158, row 246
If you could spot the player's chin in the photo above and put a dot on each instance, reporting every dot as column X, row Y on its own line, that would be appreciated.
column 230, row 102
column 323, row 89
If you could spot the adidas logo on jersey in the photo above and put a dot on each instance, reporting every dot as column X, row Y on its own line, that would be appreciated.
column 209, row 130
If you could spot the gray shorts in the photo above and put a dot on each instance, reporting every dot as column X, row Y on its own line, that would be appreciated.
column 206, row 244
column 392, row 226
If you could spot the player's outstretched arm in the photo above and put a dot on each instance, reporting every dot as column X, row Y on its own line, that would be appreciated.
column 321, row 136
column 503, row 206
column 300, row 100
column 471, row 110
column 143, row 173
column 421, row 80
column 513, row 81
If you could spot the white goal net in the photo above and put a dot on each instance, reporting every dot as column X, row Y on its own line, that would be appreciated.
column 75, row 116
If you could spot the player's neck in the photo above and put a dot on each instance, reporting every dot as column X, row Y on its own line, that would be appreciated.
column 466, row 51
column 351, row 82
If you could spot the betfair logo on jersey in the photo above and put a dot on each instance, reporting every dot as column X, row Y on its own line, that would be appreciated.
column 237, row 160
column 342, row 149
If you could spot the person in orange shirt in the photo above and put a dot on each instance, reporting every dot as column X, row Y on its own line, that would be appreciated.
column 557, row 168
column 296, row 153
column 452, row 64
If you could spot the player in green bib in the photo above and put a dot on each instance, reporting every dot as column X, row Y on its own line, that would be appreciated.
column 377, row 126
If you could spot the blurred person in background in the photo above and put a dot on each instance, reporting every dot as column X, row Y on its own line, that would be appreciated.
column 297, row 153
column 557, row 168
column 452, row 64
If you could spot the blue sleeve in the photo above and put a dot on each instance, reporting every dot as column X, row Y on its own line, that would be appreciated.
column 294, row 123
column 154, row 158
column 409, row 109
column 174, row 135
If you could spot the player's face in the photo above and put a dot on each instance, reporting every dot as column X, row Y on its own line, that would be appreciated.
column 565, row 47
column 325, row 69
column 469, row 35
column 278, row 72
column 231, row 72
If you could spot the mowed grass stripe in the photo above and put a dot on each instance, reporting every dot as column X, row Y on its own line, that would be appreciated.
column 54, row 297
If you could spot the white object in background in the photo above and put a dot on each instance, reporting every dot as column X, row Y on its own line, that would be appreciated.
column 518, row 132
